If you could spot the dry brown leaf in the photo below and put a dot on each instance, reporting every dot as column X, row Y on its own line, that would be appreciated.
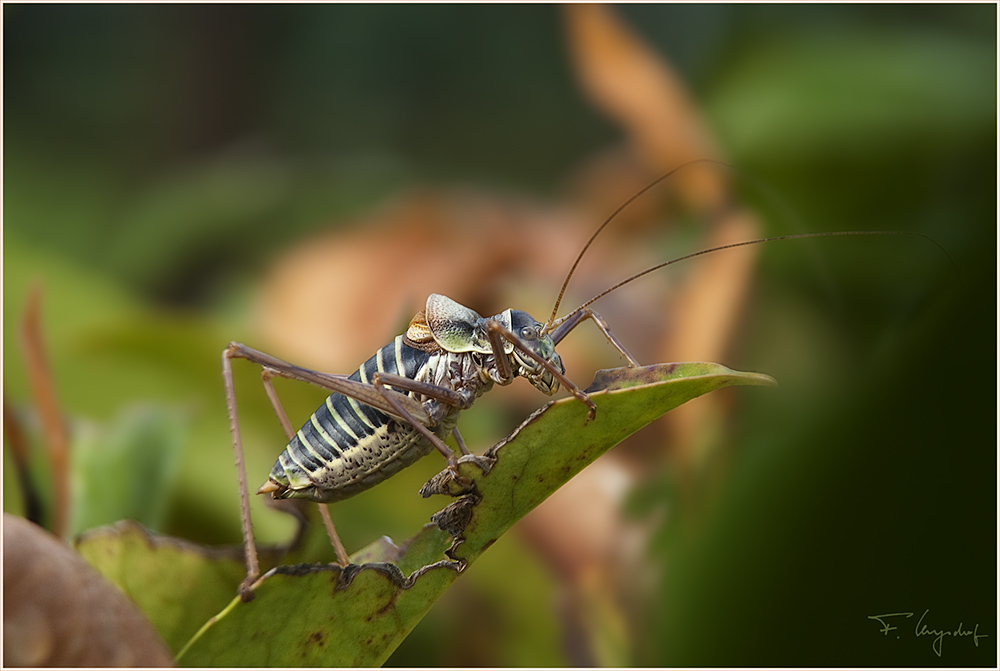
column 43, row 392
column 58, row 611
column 635, row 87
column 639, row 90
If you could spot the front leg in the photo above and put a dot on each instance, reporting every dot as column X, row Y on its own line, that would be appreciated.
column 497, row 333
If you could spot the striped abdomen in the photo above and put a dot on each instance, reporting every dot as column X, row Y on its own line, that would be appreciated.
column 346, row 446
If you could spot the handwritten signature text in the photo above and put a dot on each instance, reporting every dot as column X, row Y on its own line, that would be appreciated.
column 923, row 629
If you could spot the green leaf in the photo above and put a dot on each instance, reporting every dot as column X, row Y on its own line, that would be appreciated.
column 840, row 96
column 126, row 469
column 322, row 615
column 177, row 584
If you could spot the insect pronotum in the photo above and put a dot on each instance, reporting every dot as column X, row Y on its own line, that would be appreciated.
column 405, row 400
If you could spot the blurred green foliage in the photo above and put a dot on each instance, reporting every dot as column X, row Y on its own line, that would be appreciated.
column 156, row 156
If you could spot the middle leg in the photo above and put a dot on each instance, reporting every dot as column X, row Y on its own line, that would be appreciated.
column 338, row 546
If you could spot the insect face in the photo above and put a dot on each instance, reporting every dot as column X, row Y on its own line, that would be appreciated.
column 529, row 330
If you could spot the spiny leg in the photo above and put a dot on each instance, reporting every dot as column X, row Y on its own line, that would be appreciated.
column 266, row 374
column 378, row 395
column 577, row 318
column 338, row 547
column 360, row 391
column 249, row 547
column 460, row 442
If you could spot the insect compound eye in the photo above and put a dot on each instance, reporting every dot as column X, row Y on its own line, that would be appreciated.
column 529, row 333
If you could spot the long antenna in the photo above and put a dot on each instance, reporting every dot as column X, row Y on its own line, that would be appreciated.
column 551, row 321
column 795, row 236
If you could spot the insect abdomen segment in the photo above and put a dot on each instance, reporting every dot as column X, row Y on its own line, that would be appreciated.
column 346, row 446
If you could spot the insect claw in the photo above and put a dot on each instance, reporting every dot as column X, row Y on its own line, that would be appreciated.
column 460, row 479
column 246, row 589
column 591, row 406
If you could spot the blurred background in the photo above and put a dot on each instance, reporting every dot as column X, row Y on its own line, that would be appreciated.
column 300, row 177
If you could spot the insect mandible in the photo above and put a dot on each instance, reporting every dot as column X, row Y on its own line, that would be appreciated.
column 404, row 402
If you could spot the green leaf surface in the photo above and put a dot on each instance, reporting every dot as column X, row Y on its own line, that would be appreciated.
column 125, row 469
column 178, row 585
column 322, row 615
